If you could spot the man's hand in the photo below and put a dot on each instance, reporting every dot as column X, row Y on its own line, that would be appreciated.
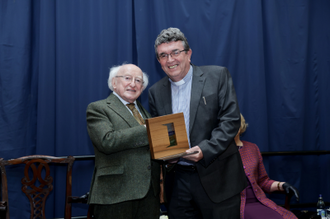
column 194, row 157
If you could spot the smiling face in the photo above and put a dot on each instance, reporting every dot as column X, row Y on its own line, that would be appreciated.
column 175, row 67
column 128, row 90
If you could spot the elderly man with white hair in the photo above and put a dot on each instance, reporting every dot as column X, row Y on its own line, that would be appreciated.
column 125, row 182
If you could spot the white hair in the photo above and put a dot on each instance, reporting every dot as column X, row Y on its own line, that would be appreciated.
column 114, row 71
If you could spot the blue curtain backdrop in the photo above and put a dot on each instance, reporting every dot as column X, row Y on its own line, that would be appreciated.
column 55, row 58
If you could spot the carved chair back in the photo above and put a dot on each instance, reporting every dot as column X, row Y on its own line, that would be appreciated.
column 37, row 183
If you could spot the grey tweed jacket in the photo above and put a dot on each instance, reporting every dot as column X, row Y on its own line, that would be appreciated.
column 123, row 167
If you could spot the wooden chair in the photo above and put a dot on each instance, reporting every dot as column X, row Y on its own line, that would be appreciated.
column 288, row 197
column 287, row 201
column 39, row 187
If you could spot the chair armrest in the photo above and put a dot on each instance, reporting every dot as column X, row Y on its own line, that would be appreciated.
column 79, row 199
column 3, row 206
column 287, row 198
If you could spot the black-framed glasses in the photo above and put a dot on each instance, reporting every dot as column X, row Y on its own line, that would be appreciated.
column 129, row 79
column 173, row 54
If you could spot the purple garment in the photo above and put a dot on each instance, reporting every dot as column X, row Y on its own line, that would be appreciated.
column 256, row 173
column 255, row 209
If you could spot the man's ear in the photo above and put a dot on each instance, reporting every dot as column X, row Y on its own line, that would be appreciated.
column 113, row 82
column 189, row 52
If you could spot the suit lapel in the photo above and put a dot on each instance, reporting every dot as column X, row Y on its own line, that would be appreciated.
column 197, row 86
column 118, row 107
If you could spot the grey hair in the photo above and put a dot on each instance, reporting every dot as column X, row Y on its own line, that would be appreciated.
column 171, row 35
column 114, row 71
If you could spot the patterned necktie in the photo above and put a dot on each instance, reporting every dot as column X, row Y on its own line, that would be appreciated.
column 136, row 113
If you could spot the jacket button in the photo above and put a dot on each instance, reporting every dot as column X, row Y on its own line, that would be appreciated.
column 149, row 167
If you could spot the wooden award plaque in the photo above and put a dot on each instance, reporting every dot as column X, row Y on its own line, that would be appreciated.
column 167, row 136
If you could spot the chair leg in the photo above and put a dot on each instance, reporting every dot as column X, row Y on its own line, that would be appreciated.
column 287, row 202
column 90, row 212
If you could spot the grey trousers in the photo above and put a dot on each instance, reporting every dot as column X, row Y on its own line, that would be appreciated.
column 145, row 208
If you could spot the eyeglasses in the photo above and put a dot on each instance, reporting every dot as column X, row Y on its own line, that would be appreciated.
column 129, row 79
column 173, row 54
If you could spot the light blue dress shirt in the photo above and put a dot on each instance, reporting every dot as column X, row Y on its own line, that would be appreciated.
column 181, row 94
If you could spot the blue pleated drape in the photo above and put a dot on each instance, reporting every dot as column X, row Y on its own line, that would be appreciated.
column 55, row 58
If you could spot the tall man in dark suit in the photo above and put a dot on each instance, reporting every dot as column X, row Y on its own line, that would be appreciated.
column 206, row 184
column 125, row 181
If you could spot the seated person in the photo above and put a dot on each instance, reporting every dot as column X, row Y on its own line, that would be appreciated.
column 254, row 203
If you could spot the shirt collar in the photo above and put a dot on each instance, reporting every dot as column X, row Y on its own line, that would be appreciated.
column 122, row 100
column 186, row 79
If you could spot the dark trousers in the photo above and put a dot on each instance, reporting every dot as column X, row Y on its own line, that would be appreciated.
column 145, row 208
column 188, row 199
